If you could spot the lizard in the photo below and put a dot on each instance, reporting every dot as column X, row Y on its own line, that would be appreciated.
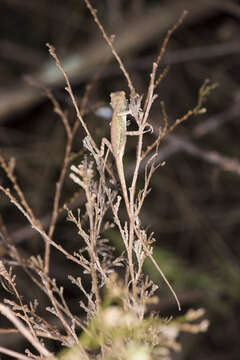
column 119, row 135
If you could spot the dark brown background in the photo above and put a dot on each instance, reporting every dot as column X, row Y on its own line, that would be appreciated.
column 194, row 204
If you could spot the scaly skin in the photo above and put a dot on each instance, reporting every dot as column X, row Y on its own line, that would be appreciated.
column 119, row 136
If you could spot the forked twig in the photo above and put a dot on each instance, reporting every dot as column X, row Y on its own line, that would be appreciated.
column 110, row 43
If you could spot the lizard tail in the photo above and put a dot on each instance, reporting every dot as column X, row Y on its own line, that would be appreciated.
column 124, row 188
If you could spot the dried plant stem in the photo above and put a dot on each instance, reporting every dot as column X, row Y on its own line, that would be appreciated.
column 69, row 90
column 7, row 276
column 24, row 331
column 78, row 113
column 196, row 110
column 17, row 188
column 59, row 184
column 37, row 227
column 70, row 136
column 162, row 52
column 168, row 35
column 131, row 210
column 110, row 43
column 15, row 354
column 135, row 176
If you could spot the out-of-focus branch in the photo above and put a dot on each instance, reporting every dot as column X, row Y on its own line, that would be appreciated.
column 79, row 66
column 226, row 163
column 177, row 143
column 26, row 333
column 210, row 125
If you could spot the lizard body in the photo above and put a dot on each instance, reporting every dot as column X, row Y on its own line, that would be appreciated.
column 119, row 136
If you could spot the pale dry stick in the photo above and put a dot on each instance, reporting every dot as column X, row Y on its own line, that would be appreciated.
column 197, row 110
column 59, row 314
column 37, row 227
column 92, row 243
column 162, row 76
column 135, row 176
column 40, row 333
column 9, row 331
column 72, row 157
column 72, row 96
column 44, row 235
column 4, row 232
column 211, row 124
column 56, row 199
column 119, row 152
column 60, row 112
column 59, row 184
column 110, row 44
column 10, row 315
column 14, row 354
column 44, row 289
column 102, row 209
column 95, row 216
column 91, row 303
column 64, row 308
column 95, row 280
column 27, row 208
column 162, row 52
column 69, row 90
column 61, row 306
column 70, row 134
column 168, row 35
column 161, row 135
column 9, row 242
column 213, row 157
column 17, row 188
column 5, row 274
column 140, row 137
column 89, row 87
column 151, row 161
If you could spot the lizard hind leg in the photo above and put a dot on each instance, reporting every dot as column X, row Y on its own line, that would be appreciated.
column 105, row 142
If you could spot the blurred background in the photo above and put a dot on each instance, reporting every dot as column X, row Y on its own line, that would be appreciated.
column 194, row 205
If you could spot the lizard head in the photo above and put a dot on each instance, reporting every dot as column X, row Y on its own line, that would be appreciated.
column 118, row 99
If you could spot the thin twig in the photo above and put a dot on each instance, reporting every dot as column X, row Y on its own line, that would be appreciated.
column 59, row 184
column 162, row 52
column 37, row 227
column 24, row 331
column 14, row 354
column 72, row 96
column 110, row 43
column 17, row 188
